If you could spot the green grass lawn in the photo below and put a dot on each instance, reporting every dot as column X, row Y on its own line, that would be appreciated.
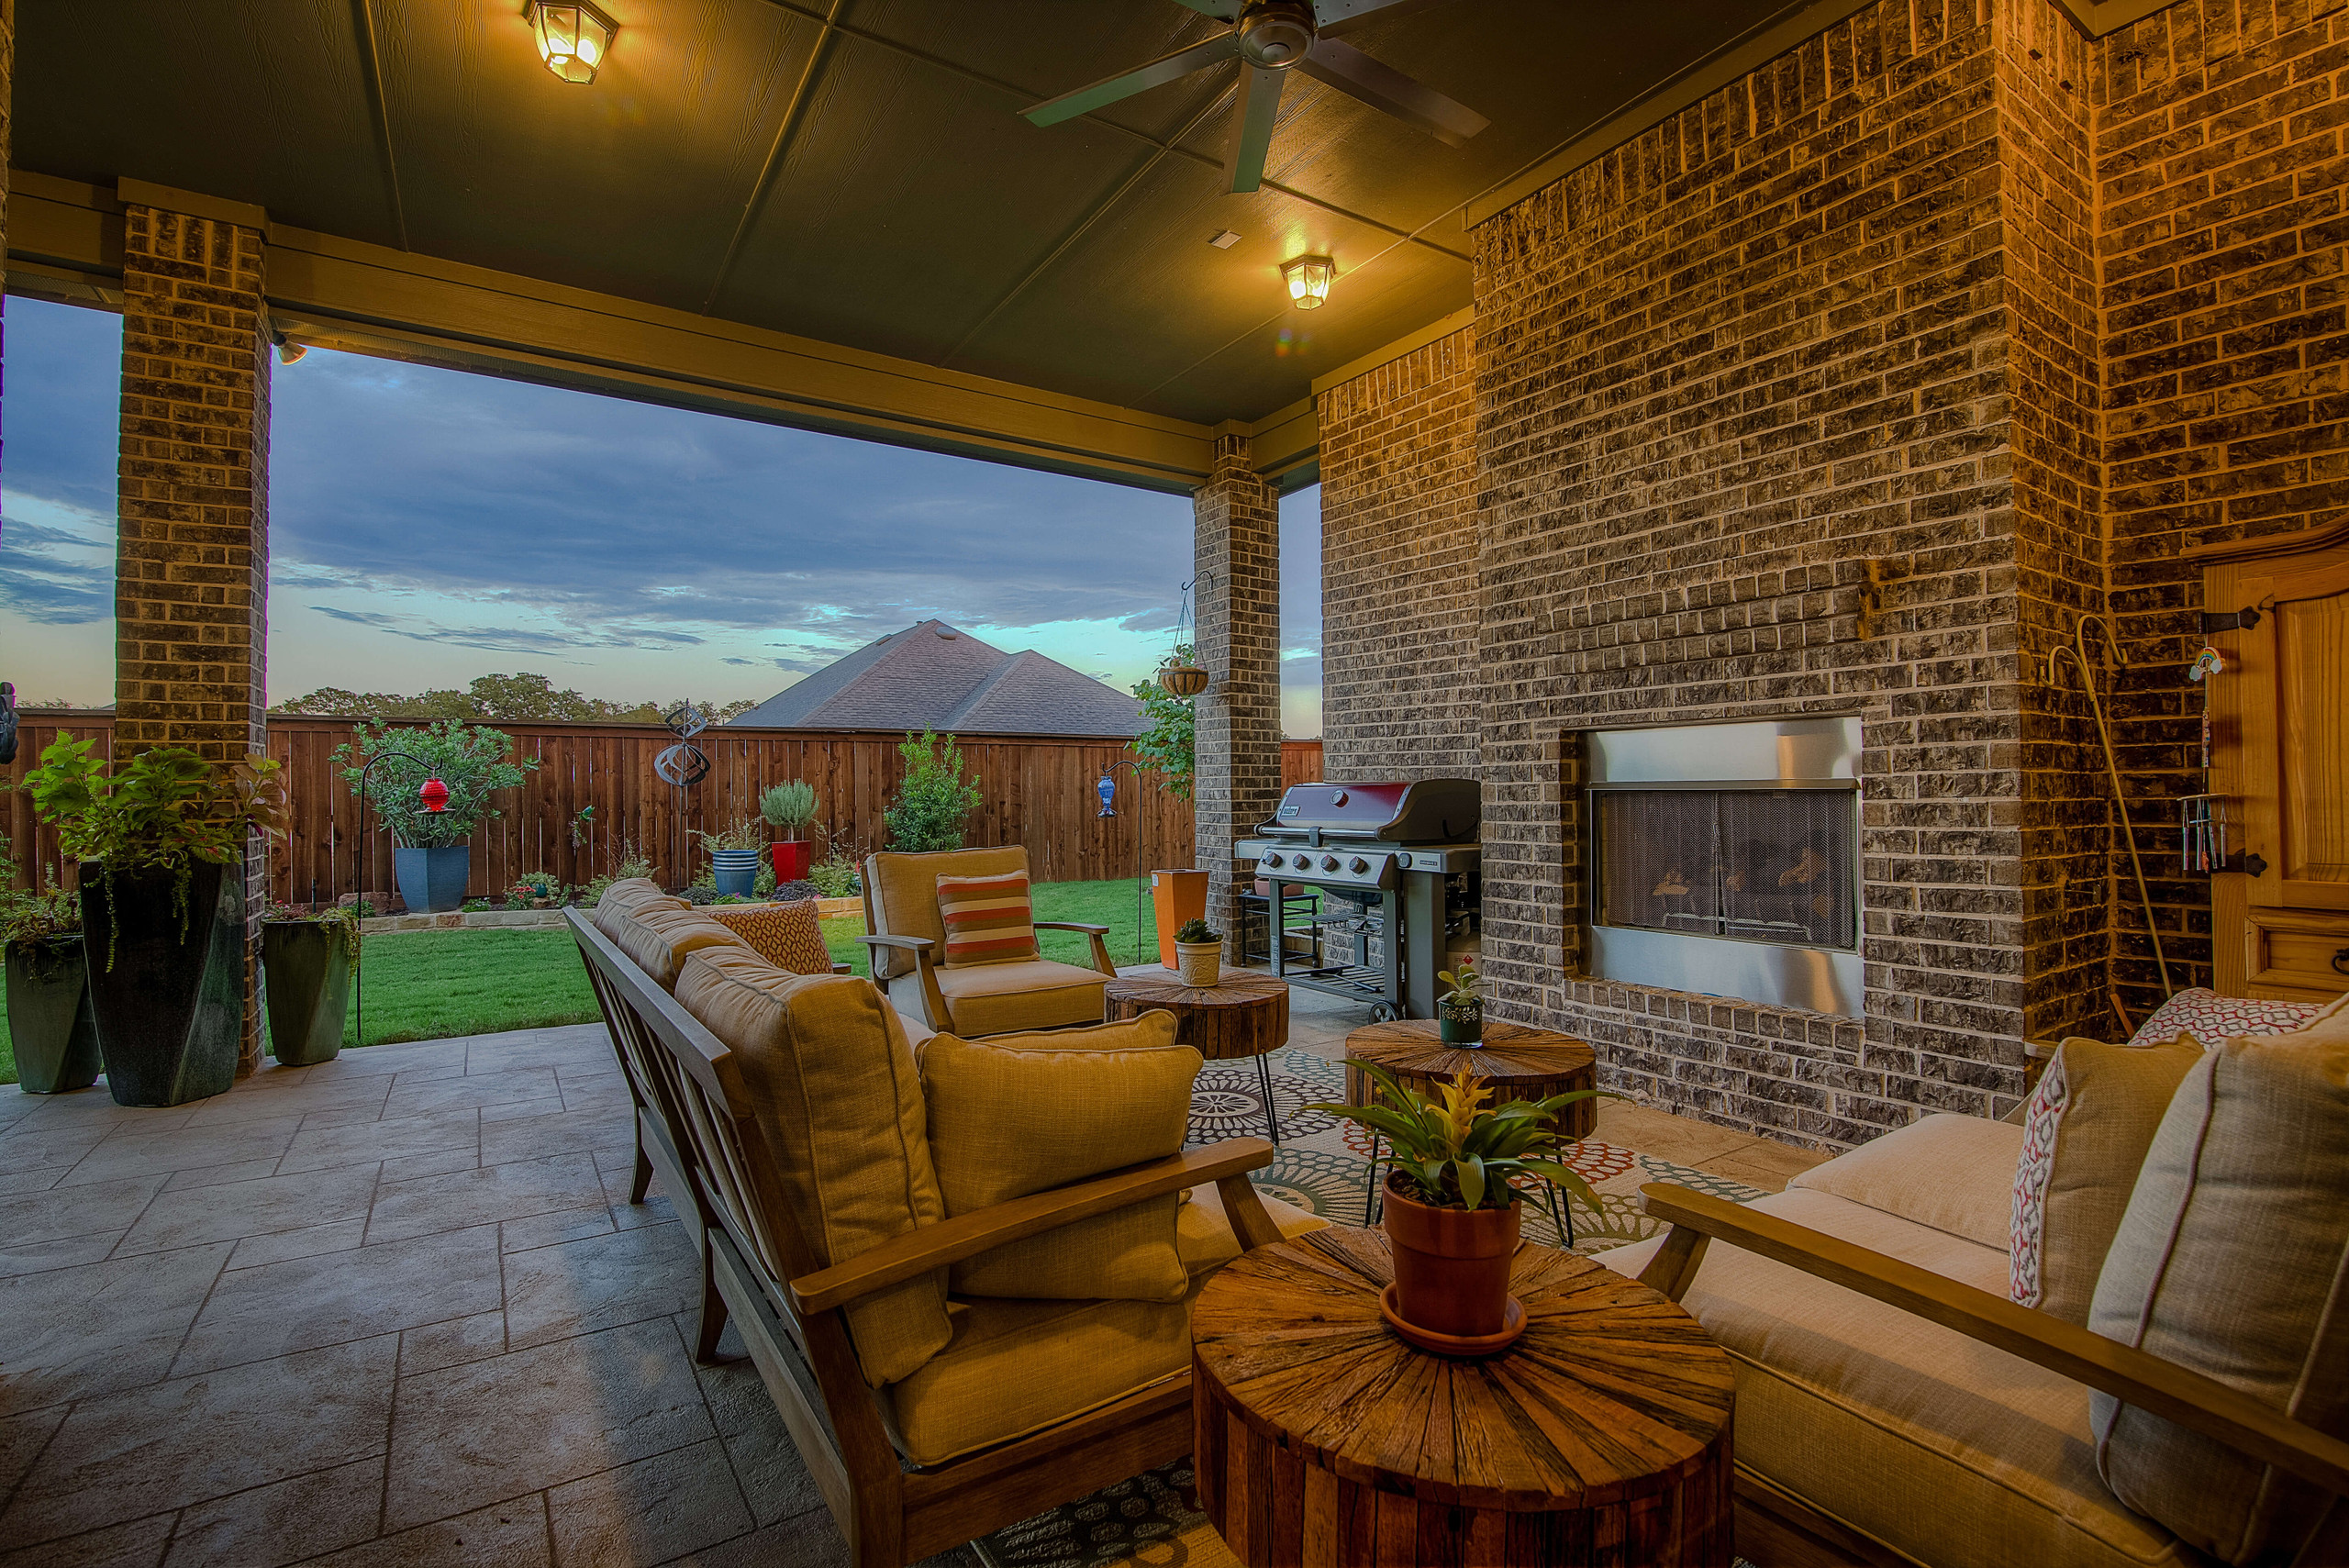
column 431, row 985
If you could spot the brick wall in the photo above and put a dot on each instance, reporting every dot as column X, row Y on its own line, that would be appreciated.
column 8, row 75
column 1398, row 567
column 192, row 562
column 1237, row 747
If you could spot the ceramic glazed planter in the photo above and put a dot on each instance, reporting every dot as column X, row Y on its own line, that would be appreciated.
column 1452, row 1265
column 167, row 982
column 308, row 966
column 1460, row 1023
column 791, row 859
column 737, row 870
column 50, row 1023
column 432, row 880
column 1201, row 963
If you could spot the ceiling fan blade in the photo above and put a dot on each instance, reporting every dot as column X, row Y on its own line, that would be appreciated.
column 1251, row 127
column 1346, row 68
column 1333, row 19
column 1140, row 79
column 1221, row 10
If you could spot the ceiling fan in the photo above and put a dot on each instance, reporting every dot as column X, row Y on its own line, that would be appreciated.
column 1270, row 37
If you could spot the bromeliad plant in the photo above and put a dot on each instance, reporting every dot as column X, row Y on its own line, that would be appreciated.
column 1458, row 1150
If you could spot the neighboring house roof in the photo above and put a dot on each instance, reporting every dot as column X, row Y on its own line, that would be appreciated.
column 931, row 677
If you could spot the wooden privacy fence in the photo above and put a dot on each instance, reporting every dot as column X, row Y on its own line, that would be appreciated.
column 1034, row 789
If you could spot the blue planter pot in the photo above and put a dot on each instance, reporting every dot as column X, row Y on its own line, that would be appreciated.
column 433, row 881
column 737, row 870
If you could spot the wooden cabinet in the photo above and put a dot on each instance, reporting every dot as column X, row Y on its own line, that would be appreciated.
column 2280, row 754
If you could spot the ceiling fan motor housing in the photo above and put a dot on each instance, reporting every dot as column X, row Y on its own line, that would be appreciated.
column 1275, row 34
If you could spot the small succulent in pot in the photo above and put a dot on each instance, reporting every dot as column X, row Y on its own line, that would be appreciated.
column 1460, row 1012
column 1198, row 952
column 1452, row 1211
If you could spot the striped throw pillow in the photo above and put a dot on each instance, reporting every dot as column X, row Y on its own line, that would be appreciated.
column 988, row 918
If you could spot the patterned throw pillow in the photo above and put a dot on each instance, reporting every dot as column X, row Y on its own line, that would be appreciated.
column 988, row 918
column 2084, row 1135
column 2211, row 1017
column 785, row 934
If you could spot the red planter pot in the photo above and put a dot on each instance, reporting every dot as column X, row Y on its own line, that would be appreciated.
column 792, row 860
column 1452, row 1265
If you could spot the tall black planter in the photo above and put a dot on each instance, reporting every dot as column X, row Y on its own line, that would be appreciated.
column 309, row 965
column 50, row 1022
column 169, row 1001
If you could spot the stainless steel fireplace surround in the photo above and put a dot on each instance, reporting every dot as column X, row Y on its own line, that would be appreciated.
column 1724, row 860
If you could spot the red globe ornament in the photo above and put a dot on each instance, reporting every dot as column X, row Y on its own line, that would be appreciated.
column 434, row 794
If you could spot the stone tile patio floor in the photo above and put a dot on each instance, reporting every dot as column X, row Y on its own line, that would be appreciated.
column 396, row 1309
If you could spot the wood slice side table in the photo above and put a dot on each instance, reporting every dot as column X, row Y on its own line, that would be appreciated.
column 1243, row 1014
column 1518, row 1061
column 1601, row 1436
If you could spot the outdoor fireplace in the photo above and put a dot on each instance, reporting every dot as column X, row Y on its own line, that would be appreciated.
column 1724, row 860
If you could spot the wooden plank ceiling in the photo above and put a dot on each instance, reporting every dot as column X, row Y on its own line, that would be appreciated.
column 854, row 170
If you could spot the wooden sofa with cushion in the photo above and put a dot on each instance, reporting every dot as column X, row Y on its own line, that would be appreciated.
column 962, row 1268
column 2175, row 1392
column 906, row 936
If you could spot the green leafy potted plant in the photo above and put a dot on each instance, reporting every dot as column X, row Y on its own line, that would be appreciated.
column 792, row 808
column 309, row 959
column 934, row 799
column 432, row 851
column 1460, row 1012
column 536, row 890
column 1198, row 952
column 1452, row 1213
column 50, row 1026
column 161, row 837
column 734, row 855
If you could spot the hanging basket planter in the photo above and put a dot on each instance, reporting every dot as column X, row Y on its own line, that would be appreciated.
column 1182, row 680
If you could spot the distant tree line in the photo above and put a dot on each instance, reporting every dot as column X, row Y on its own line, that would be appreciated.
column 511, row 699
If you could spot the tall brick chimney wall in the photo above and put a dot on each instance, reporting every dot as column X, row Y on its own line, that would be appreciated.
column 1897, row 298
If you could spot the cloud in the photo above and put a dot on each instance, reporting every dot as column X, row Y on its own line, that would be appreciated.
column 56, row 562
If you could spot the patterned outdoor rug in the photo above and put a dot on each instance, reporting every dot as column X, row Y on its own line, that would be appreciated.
column 1324, row 1163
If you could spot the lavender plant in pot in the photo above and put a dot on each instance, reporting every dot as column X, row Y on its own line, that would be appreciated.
column 1452, row 1211
column 791, row 808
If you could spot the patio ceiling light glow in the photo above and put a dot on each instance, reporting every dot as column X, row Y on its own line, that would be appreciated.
column 1308, row 280
column 573, row 38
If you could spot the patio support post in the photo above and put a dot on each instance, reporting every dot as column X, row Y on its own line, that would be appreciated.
column 7, row 74
column 1237, row 750
column 192, row 563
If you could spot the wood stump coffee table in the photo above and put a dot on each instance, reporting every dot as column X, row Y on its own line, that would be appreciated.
column 1519, row 1062
column 1243, row 1014
column 1601, row 1436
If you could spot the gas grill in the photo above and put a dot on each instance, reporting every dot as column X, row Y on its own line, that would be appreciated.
column 1397, row 868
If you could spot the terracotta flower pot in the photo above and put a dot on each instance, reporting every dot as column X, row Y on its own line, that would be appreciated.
column 1451, row 1264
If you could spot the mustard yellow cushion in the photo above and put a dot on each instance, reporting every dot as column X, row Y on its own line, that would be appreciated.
column 831, row 1083
column 1017, row 1115
column 901, row 896
column 657, row 940
column 1019, row 994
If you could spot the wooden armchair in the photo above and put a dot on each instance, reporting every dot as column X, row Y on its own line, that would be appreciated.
column 762, row 1271
column 905, row 939
column 1777, row 1529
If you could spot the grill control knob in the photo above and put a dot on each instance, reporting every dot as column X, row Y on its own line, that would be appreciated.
column 1358, row 866
column 1329, row 862
column 1271, row 858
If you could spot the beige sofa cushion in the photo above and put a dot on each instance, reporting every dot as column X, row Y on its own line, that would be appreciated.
column 831, row 1081
column 2232, row 1260
column 659, row 941
column 1034, row 994
column 1960, row 1455
column 2085, row 1130
column 625, row 898
column 901, row 896
column 1007, row 1120
column 1203, row 1233
column 1954, row 1173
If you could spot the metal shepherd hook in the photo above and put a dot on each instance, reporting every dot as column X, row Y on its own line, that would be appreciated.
column 434, row 796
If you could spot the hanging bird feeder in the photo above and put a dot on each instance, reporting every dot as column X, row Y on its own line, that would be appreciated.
column 433, row 796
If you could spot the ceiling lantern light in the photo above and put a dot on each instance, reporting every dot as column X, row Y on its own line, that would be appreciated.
column 1308, row 280
column 573, row 38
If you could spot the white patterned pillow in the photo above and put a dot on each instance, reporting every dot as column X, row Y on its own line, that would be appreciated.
column 2084, row 1136
column 2211, row 1017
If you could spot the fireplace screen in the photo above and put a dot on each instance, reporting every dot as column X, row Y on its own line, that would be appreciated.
column 1765, row 865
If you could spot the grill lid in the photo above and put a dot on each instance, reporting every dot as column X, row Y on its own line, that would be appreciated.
column 1433, row 811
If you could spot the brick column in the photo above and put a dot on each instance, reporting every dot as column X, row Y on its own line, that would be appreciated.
column 7, row 74
column 192, row 567
column 1237, row 561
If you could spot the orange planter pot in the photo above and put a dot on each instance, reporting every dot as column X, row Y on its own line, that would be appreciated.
column 1176, row 896
column 1452, row 1265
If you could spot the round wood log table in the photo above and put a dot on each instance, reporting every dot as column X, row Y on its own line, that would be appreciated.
column 1243, row 1014
column 1601, row 1436
column 1518, row 1061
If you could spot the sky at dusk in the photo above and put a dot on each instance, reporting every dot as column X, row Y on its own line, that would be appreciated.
column 426, row 526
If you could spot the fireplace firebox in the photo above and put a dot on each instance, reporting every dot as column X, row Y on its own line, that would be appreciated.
column 1724, row 860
